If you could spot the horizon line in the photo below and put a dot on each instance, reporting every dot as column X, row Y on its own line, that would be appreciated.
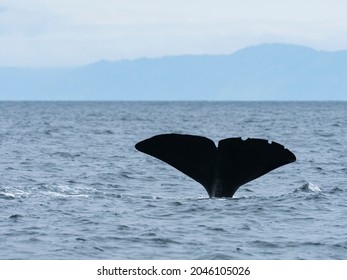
column 173, row 101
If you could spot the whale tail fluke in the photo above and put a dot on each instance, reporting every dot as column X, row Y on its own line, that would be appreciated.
column 223, row 169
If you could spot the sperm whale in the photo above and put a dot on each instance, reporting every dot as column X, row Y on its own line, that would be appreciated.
column 221, row 169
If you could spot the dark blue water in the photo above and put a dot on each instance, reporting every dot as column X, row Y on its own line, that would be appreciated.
column 73, row 187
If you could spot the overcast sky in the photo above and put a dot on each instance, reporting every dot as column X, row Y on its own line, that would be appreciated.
column 77, row 32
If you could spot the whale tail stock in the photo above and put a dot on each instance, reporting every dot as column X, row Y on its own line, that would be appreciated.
column 223, row 169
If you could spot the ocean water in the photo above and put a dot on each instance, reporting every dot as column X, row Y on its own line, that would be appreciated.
column 73, row 186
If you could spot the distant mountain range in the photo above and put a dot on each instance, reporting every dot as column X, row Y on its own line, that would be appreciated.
column 264, row 72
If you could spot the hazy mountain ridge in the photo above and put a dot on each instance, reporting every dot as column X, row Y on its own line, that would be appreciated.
column 264, row 72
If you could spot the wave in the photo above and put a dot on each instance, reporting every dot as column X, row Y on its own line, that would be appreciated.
column 44, row 190
column 308, row 187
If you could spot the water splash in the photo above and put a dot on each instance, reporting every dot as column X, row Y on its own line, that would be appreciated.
column 308, row 187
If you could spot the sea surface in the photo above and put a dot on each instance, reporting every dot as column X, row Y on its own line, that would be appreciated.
column 72, row 185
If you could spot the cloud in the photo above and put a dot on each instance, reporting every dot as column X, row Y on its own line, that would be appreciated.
column 23, row 21
column 60, row 32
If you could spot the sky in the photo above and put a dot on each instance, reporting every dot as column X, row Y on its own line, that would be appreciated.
column 55, row 33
